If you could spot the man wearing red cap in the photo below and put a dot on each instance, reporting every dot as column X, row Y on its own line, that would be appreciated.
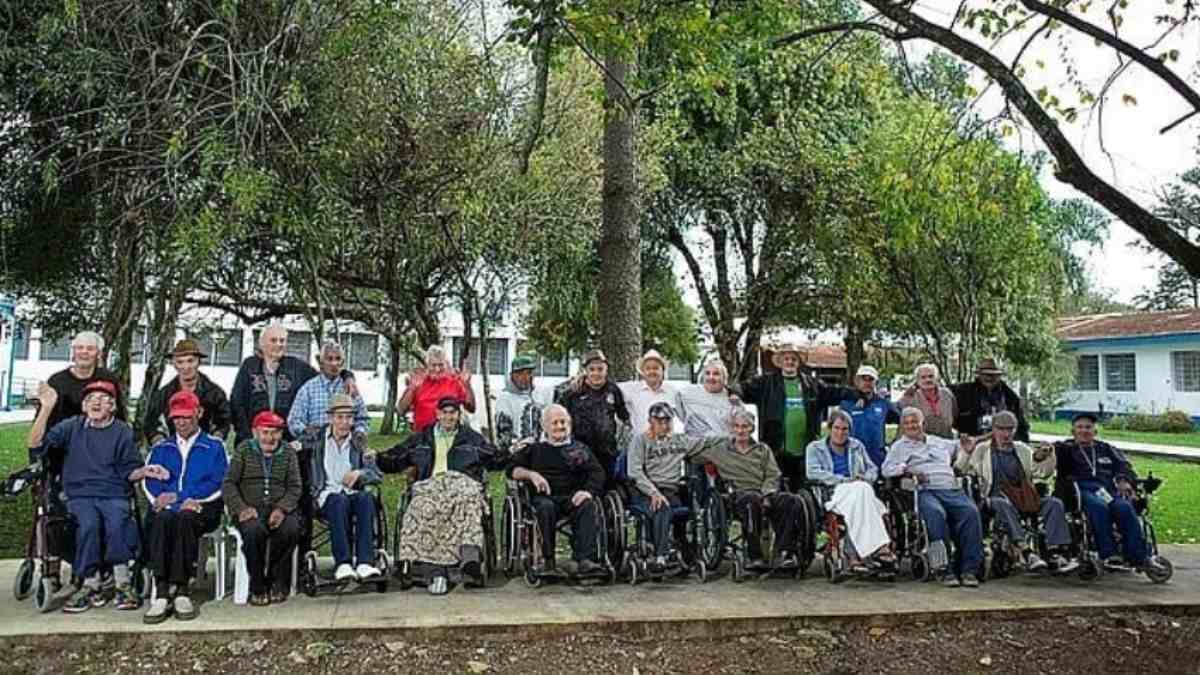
column 262, row 491
column 183, row 506
column 99, row 464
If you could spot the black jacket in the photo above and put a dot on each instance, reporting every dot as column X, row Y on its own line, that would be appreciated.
column 594, row 414
column 470, row 453
column 769, row 394
column 1102, row 462
column 70, row 394
column 215, row 419
column 567, row 468
column 970, row 397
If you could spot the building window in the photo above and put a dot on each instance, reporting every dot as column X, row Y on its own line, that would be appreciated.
column 1120, row 372
column 224, row 347
column 497, row 355
column 56, row 350
column 555, row 368
column 362, row 351
column 138, row 350
column 20, row 338
column 299, row 345
column 680, row 371
column 1087, row 373
column 1185, row 371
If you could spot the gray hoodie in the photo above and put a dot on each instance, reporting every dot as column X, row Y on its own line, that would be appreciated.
column 650, row 464
column 519, row 413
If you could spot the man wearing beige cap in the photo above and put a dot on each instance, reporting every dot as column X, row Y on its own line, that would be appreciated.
column 651, row 387
column 215, row 418
column 869, row 413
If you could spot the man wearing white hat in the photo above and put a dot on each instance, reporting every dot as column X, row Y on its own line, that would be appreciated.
column 870, row 413
column 651, row 387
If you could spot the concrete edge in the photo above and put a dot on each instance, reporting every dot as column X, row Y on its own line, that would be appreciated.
column 634, row 629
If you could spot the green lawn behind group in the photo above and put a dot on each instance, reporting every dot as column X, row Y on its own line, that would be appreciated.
column 1063, row 428
column 1176, row 505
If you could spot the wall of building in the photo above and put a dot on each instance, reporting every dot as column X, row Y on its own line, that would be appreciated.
column 1155, row 389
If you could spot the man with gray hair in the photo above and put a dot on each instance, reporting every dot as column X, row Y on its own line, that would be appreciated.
column 709, row 404
column 87, row 348
column 431, row 383
column 310, row 408
column 943, row 506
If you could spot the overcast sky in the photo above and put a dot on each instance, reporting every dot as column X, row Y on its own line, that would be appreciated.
column 1140, row 160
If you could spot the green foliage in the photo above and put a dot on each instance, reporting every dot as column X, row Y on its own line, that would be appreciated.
column 1168, row 422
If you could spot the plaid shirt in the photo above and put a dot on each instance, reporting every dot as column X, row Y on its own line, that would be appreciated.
column 309, row 408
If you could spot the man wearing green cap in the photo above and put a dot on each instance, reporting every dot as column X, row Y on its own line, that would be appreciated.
column 519, row 407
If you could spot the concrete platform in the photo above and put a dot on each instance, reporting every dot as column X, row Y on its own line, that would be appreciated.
column 683, row 607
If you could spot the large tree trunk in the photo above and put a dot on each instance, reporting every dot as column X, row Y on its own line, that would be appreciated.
column 392, row 383
column 488, row 419
column 160, row 339
column 127, row 303
column 855, row 339
column 619, row 292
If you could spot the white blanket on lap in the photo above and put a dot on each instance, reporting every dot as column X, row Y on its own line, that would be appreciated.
column 857, row 504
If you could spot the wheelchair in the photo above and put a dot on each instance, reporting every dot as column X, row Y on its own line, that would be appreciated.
column 1083, row 534
column 998, row 560
column 522, row 540
column 51, row 541
column 411, row 572
column 833, row 545
column 311, row 581
column 910, row 536
column 736, row 546
column 697, row 551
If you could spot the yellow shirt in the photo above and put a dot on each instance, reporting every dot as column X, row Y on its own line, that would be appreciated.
column 442, row 441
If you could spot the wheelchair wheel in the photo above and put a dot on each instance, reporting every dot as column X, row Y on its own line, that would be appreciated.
column 709, row 530
column 918, row 567
column 702, row 571
column 1089, row 569
column 532, row 580
column 404, row 574
column 509, row 518
column 629, row 568
column 42, row 594
column 308, row 577
column 739, row 568
column 1164, row 576
column 25, row 580
column 1001, row 564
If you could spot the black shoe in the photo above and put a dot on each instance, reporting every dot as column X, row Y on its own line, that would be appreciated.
column 589, row 567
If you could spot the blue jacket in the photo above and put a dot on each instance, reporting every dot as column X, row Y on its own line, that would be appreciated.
column 819, row 459
column 869, row 418
column 98, row 461
column 199, row 480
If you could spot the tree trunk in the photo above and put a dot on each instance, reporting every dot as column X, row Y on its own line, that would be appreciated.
column 619, row 291
column 488, row 419
column 392, row 384
column 855, row 339
column 160, row 339
column 127, row 302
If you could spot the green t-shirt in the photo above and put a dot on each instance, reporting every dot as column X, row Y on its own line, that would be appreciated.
column 795, row 418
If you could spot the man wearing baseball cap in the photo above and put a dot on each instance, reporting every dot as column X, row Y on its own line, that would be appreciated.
column 519, row 406
column 262, row 491
column 595, row 404
column 184, row 506
column 980, row 399
column 215, row 418
column 870, row 413
column 101, row 461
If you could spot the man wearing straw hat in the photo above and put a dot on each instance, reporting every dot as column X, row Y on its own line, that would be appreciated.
column 651, row 387
column 790, row 406
column 215, row 418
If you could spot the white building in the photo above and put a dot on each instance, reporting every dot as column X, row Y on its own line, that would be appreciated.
column 1141, row 362
column 228, row 342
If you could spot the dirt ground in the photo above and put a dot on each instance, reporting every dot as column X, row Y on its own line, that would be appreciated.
column 1102, row 642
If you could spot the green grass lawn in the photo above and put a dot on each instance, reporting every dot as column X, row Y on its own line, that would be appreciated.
column 1063, row 428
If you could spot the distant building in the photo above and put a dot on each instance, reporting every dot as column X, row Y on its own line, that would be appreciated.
column 1136, row 362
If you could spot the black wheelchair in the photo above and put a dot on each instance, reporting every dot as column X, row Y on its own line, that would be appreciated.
column 1084, row 537
column 312, row 582
column 411, row 572
column 521, row 535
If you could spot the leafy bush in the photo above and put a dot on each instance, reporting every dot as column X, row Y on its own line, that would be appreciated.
column 1170, row 422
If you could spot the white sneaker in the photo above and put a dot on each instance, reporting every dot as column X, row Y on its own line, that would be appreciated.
column 1033, row 563
column 365, row 571
column 344, row 572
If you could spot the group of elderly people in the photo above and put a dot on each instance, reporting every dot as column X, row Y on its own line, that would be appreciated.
column 300, row 452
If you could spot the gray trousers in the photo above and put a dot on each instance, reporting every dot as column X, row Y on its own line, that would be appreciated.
column 1052, row 515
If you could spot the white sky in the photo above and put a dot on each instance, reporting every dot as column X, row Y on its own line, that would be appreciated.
column 1139, row 160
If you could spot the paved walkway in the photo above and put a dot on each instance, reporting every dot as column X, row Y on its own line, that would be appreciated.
column 679, row 607
column 1175, row 451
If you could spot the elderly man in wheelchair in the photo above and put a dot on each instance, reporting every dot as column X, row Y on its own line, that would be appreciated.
column 1096, row 478
column 1005, row 470
column 444, row 522
column 841, row 476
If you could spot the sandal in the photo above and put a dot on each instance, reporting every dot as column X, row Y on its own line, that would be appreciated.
column 260, row 599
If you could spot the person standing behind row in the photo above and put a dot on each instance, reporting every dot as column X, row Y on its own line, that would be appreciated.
column 791, row 404
column 980, row 400
column 933, row 399
column 69, row 383
column 708, row 406
column 595, row 405
column 870, row 413
column 649, row 388
column 434, row 382
column 215, row 418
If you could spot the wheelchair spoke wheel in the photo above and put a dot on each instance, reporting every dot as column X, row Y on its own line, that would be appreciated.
column 1089, row 569
column 1168, row 570
column 25, row 580
column 43, row 594
column 918, row 567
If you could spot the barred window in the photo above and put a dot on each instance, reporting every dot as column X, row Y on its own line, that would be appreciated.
column 56, row 350
column 1185, row 371
column 20, row 338
column 299, row 345
column 224, row 347
column 363, row 351
column 679, row 371
column 555, row 368
column 1087, row 373
column 497, row 355
column 1120, row 372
